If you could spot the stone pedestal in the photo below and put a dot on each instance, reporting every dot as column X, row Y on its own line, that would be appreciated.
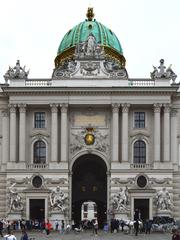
column 57, row 216
column 14, row 216
column 164, row 213
column 121, row 215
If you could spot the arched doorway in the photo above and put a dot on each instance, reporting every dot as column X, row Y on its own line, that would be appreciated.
column 89, row 183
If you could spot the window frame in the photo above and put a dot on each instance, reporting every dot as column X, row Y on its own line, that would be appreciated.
column 141, row 156
column 39, row 121
column 139, row 121
column 39, row 161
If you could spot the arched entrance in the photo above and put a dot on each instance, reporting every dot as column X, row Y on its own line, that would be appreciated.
column 89, row 183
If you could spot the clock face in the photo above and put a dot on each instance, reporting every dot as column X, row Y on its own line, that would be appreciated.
column 89, row 139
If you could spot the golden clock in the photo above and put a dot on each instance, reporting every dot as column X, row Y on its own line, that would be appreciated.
column 89, row 139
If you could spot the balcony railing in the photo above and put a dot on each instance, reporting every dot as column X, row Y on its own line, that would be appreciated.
column 38, row 82
column 37, row 166
column 141, row 82
column 141, row 166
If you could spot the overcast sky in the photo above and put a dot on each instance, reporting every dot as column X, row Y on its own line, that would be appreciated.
column 31, row 30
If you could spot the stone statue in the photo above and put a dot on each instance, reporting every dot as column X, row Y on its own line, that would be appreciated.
column 163, row 200
column 162, row 73
column 16, row 72
column 120, row 200
column 16, row 203
column 91, row 45
column 57, row 199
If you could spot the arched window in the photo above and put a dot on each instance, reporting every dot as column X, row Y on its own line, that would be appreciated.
column 139, row 152
column 39, row 152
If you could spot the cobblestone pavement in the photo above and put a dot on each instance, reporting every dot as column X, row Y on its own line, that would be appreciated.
column 101, row 236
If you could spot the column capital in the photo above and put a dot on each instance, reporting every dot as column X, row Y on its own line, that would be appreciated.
column 167, row 107
column 157, row 107
column 64, row 107
column 125, row 107
column 22, row 107
column 173, row 113
column 12, row 108
column 54, row 107
column 115, row 107
column 5, row 113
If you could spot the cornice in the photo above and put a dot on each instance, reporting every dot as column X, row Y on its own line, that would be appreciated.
column 11, row 91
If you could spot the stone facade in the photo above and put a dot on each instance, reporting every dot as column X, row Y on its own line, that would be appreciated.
column 89, row 108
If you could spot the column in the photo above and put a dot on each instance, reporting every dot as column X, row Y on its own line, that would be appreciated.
column 125, row 137
column 13, row 139
column 22, row 132
column 5, row 135
column 157, row 111
column 64, row 125
column 54, row 132
column 115, row 132
column 166, row 132
column 174, row 137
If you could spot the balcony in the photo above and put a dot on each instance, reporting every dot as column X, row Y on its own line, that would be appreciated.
column 141, row 166
column 37, row 166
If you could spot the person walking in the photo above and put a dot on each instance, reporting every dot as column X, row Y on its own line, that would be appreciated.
column 48, row 227
column 95, row 225
column 175, row 235
column 136, row 227
column 56, row 225
column 24, row 235
column 1, row 228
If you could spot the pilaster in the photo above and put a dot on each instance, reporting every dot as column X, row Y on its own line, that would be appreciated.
column 13, row 131
column 22, row 132
column 64, row 138
column 174, row 146
column 125, row 135
column 54, row 132
column 115, row 132
column 166, row 132
column 157, row 127
column 5, row 139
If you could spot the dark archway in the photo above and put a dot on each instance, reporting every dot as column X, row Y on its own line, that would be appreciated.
column 89, row 183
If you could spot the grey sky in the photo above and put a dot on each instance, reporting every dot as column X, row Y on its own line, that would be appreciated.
column 31, row 30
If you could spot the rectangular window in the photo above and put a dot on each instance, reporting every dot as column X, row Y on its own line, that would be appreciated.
column 85, row 207
column 39, row 120
column 139, row 119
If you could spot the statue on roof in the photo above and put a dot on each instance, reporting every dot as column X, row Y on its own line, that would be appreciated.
column 16, row 72
column 163, row 72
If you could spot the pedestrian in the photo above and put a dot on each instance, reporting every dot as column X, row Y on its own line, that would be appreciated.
column 56, row 225
column 95, row 225
column 136, row 227
column 62, row 227
column 48, row 227
column 122, row 225
column 1, row 228
column 10, row 236
column 24, row 235
column 175, row 235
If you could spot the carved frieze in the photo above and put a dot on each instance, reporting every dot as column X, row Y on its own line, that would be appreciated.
column 78, row 143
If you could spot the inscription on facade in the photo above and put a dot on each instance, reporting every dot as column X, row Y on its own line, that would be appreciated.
column 84, row 120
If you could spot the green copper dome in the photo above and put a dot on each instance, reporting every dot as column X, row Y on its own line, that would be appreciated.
column 80, row 33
